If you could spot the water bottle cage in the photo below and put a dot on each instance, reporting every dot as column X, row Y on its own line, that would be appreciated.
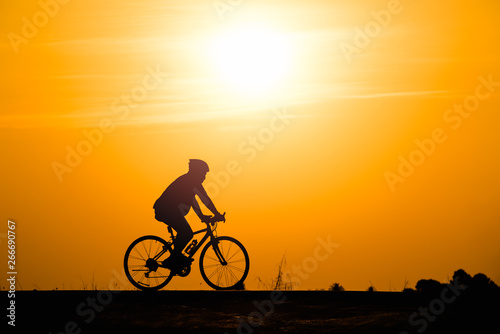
column 191, row 246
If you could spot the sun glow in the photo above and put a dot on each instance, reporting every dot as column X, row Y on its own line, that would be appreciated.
column 252, row 59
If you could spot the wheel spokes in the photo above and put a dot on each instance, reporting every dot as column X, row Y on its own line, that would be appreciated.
column 143, row 260
column 236, row 268
column 231, row 271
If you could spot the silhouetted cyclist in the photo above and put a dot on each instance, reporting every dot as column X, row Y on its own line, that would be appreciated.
column 175, row 203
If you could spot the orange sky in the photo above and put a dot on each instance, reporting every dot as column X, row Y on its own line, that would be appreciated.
column 315, row 149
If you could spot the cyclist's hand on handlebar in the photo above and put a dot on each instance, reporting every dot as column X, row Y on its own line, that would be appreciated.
column 220, row 218
column 213, row 219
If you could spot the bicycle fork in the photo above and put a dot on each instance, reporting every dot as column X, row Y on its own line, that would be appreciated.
column 218, row 253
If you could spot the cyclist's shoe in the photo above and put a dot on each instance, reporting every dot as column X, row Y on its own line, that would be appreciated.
column 175, row 261
column 169, row 262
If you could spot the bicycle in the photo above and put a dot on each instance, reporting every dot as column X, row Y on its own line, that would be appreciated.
column 224, row 262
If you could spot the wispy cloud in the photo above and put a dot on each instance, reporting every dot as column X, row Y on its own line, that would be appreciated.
column 425, row 93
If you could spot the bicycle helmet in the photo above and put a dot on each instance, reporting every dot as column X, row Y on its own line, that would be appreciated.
column 198, row 165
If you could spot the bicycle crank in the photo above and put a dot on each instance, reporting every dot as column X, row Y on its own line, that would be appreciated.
column 184, row 271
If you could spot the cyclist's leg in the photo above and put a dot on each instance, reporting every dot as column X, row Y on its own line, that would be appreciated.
column 177, row 221
column 184, row 233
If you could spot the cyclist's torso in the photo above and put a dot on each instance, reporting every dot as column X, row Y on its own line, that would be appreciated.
column 179, row 195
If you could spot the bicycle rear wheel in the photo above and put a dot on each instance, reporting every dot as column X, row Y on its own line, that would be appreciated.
column 142, row 263
column 224, row 263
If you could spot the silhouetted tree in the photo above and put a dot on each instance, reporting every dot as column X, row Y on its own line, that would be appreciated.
column 336, row 287
column 479, row 285
column 461, row 278
column 482, row 283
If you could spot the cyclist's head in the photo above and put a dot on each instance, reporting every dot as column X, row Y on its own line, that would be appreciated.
column 198, row 166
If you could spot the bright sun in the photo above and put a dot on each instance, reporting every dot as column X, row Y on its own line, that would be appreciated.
column 252, row 59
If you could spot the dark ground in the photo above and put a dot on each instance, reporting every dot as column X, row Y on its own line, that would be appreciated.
column 249, row 312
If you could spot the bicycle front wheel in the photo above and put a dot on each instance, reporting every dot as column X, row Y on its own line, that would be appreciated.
column 143, row 260
column 224, row 263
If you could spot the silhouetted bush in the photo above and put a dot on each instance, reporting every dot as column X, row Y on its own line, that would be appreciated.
column 428, row 286
column 336, row 287
column 239, row 286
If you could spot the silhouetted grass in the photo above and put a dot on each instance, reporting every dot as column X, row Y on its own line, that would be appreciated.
column 282, row 282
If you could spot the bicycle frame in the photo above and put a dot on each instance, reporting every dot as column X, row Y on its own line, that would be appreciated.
column 208, row 234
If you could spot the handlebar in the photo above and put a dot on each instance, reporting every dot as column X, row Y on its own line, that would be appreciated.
column 212, row 220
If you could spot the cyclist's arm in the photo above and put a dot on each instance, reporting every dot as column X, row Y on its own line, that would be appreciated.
column 202, row 194
column 197, row 210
